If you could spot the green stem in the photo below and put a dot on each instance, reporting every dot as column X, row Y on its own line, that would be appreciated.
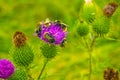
column 90, row 65
column 28, row 73
column 43, row 68
column 92, row 43
column 90, row 59
column 87, row 46
column 90, row 55
column 90, row 49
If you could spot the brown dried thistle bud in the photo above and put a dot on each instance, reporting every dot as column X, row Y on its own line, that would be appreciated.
column 19, row 39
column 109, row 9
column 111, row 74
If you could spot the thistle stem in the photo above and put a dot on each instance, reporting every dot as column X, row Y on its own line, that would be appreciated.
column 92, row 43
column 90, row 56
column 43, row 68
column 28, row 73
column 90, row 49
column 87, row 46
column 90, row 65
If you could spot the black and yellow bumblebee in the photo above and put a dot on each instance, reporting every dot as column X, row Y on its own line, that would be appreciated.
column 62, row 25
column 39, row 29
column 49, row 38
column 47, row 22
column 63, row 43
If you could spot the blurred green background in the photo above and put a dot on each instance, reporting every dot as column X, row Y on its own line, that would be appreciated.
column 71, row 63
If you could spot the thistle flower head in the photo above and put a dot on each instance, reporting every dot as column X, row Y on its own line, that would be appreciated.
column 111, row 74
column 6, row 68
column 19, row 39
column 22, row 53
column 53, row 32
column 109, row 9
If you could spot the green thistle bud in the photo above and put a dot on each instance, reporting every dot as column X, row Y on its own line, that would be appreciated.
column 20, row 74
column 88, row 12
column 49, row 51
column 22, row 54
column 82, row 29
column 101, row 26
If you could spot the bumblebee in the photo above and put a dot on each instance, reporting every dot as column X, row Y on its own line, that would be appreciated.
column 49, row 38
column 47, row 22
column 63, row 43
column 39, row 28
column 62, row 25
column 57, row 22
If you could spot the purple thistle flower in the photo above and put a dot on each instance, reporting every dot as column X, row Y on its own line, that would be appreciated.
column 6, row 68
column 52, row 32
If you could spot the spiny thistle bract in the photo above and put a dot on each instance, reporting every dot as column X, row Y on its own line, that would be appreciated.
column 23, row 56
column 19, row 74
column 49, row 51
column 83, row 28
column 88, row 12
column 6, row 68
column 101, row 26
column 22, row 53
